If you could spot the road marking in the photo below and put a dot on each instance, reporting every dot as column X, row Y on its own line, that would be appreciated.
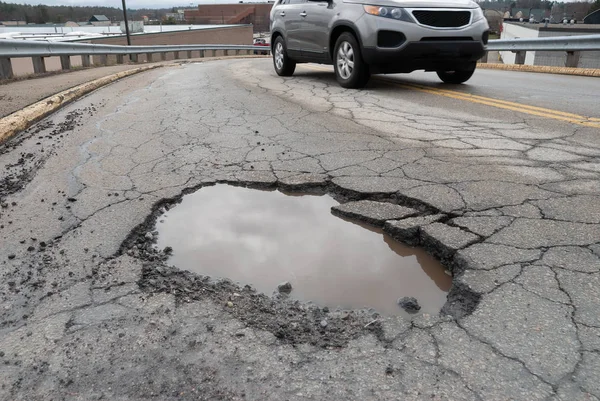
column 498, row 103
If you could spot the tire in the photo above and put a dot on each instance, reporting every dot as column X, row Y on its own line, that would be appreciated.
column 350, row 69
column 284, row 66
column 458, row 76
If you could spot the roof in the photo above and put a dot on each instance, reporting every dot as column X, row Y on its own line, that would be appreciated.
column 99, row 18
column 592, row 18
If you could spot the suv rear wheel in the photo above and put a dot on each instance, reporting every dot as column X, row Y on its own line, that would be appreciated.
column 459, row 75
column 350, row 69
column 284, row 66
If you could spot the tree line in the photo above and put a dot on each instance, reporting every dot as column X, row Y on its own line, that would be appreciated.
column 42, row 14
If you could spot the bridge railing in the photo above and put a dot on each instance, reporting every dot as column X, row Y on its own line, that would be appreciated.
column 40, row 50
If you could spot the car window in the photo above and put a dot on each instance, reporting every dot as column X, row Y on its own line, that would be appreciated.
column 295, row 1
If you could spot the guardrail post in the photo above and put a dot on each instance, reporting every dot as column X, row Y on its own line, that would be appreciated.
column 65, row 62
column 149, row 57
column 6, row 71
column 176, row 55
column 520, row 57
column 39, row 66
column 85, row 60
column 163, row 56
column 201, row 53
column 120, row 59
column 133, row 58
column 572, row 59
column 214, row 53
column 189, row 54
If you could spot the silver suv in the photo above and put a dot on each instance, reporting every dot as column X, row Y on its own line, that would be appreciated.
column 364, row 37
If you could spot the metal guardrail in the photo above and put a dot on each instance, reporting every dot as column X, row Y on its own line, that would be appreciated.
column 557, row 43
column 38, row 50
column 573, row 45
column 31, row 48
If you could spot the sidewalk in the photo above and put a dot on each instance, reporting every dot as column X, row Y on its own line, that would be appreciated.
column 14, row 95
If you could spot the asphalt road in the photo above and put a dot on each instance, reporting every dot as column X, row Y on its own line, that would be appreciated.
column 567, row 93
column 510, row 90
column 507, row 199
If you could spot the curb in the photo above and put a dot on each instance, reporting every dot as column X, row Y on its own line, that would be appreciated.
column 24, row 118
column 584, row 72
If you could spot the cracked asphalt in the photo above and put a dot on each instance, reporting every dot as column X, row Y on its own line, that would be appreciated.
column 509, row 202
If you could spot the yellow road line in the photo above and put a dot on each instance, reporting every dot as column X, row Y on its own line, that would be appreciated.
column 535, row 108
column 502, row 104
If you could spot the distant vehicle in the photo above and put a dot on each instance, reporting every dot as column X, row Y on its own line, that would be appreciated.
column 263, row 43
column 361, row 37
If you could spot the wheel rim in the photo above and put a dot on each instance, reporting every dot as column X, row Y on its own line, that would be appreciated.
column 345, row 60
column 279, row 56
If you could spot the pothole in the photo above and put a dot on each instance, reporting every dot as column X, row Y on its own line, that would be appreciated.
column 263, row 238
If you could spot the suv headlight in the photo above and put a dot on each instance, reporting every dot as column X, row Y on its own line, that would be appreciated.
column 477, row 14
column 388, row 12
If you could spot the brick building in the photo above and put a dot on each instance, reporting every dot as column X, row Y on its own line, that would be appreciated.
column 256, row 14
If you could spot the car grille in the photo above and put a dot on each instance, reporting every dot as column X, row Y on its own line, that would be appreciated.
column 442, row 19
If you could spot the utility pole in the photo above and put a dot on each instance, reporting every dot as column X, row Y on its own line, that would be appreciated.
column 126, row 23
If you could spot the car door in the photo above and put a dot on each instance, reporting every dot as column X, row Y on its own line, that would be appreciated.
column 317, row 17
column 289, row 12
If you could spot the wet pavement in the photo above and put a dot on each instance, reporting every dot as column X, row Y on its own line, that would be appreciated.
column 264, row 238
column 508, row 202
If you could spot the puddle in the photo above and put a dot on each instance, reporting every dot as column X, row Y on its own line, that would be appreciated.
column 263, row 238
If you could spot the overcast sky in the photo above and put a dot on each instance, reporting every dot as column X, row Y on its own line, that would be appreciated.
column 130, row 3
column 133, row 4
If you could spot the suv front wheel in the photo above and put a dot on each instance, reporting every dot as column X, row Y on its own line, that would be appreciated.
column 350, row 69
column 284, row 66
column 459, row 75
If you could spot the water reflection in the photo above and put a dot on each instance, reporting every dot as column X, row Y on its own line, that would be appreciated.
column 265, row 237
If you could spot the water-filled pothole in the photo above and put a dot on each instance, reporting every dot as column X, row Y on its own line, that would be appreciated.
column 263, row 238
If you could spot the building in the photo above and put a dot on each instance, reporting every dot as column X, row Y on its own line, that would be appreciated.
column 134, row 26
column 513, row 30
column 13, row 23
column 178, row 16
column 213, row 34
column 257, row 14
column 526, row 13
column 99, row 20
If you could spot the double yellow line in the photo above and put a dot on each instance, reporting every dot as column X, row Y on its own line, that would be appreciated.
column 501, row 104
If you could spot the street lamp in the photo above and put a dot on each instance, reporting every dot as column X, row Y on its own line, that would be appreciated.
column 126, row 23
